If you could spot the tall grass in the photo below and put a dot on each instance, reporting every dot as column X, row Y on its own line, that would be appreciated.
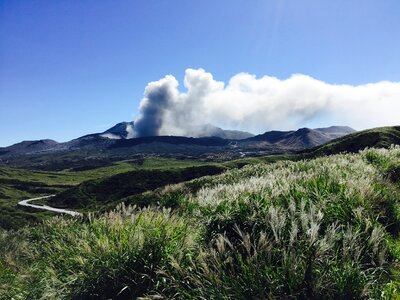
column 291, row 256
column 349, row 203
column 321, row 229
column 116, row 255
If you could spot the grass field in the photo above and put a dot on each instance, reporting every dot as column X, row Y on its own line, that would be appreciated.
column 19, row 184
column 326, row 228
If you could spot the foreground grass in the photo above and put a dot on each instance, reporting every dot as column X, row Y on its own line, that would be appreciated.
column 84, row 258
column 326, row 228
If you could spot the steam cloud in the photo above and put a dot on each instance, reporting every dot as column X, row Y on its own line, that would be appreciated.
column 261, row 104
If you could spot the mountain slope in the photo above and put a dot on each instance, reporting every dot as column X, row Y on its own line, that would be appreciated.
column 335, row 131
column 116, row 144
column 213, row 131
column 103, row 191
column 382, row 137
column 29, row 147
column 123, row 130
column 299, row 139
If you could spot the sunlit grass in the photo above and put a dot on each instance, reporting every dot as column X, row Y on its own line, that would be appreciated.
column 19, row 184
column 322, row 229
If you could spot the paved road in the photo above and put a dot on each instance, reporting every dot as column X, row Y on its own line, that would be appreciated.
column 46, row 207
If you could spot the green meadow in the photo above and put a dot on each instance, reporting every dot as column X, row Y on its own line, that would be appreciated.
column 324, row 228
column 19, row 184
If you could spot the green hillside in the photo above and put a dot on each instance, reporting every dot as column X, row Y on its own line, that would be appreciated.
column 19, row 184
column 382, row 137
column 326, row 228
column 101, row 192
column 105, row 192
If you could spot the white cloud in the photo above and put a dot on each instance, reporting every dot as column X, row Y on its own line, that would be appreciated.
column 261, row 104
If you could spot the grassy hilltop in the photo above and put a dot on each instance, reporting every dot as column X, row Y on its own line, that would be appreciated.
column 381, row 137
column 324, row 228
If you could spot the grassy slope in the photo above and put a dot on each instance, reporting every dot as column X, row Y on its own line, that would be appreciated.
column 19, row 184
column 155, row 173
column 326, row 228
column 381, row 137
column 101, row 192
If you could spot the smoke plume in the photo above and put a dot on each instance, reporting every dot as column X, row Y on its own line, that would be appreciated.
column 260, row 104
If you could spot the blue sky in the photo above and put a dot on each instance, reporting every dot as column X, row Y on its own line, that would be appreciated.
column 68, row 68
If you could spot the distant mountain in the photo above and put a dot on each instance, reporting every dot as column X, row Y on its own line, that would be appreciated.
column 123, row 130
column 117, row 143
column 121, row 136
column 27, row 147
column 211, row 130
column 382, row 137
column 87, row 142
column 336, row 131
column 234, row 134
column 300, row 139
column 97, row 141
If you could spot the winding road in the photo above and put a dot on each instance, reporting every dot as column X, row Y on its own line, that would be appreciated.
column 46, row 207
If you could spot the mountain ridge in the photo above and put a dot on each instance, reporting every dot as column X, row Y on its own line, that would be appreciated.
column 301, row 138
column 97, row 149
column 380, row 137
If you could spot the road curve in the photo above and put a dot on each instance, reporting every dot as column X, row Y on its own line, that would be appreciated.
column 46, row 207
